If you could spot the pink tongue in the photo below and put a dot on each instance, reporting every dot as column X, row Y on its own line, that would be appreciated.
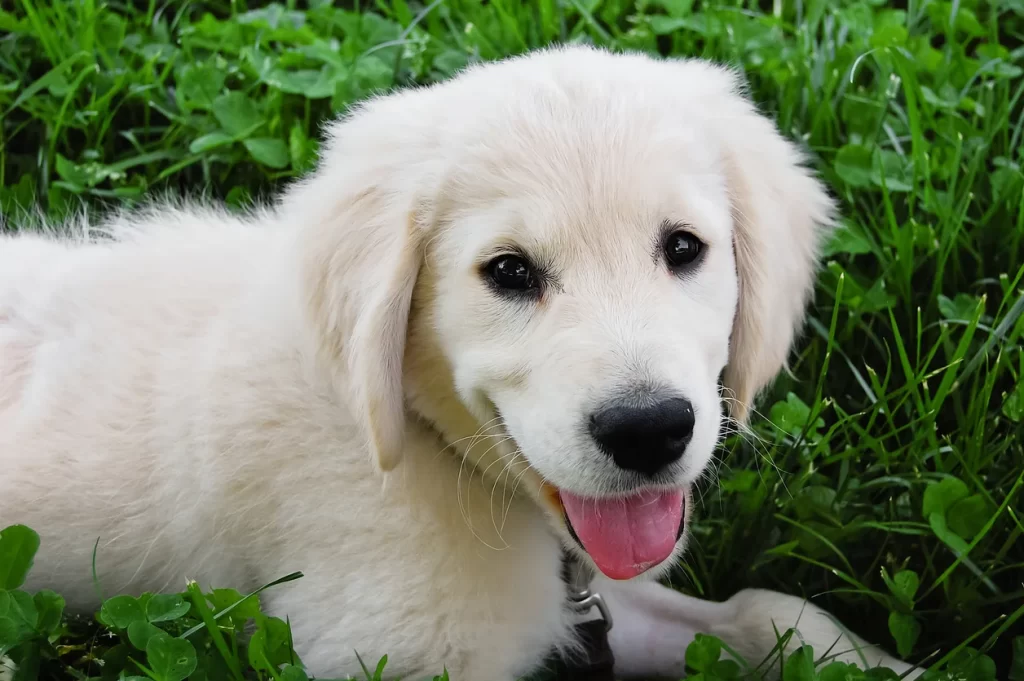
column 626, row 536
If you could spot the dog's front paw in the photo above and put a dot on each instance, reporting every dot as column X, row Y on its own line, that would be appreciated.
column 654, row 625
column 762, row 616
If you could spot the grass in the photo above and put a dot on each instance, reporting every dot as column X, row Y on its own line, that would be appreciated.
column 886, row 475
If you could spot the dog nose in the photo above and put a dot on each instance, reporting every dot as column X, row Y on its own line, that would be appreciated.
column 644, row 439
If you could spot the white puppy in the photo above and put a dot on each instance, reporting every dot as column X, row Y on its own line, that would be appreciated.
column 490, row 326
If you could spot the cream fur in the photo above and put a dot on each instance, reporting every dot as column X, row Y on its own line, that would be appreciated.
column 228, row 398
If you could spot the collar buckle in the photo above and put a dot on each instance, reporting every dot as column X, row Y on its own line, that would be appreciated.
column 583, row 601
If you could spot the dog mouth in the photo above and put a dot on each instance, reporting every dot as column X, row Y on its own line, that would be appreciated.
column 625, row 536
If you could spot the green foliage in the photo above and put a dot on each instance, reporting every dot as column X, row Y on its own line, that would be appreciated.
column 203, row 636
column 885, row 476
column 18, row 545
column 220, row 635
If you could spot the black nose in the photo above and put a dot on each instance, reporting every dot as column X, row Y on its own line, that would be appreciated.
column 644, row 439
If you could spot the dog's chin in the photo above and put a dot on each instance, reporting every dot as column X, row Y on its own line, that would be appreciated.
column 622, row 537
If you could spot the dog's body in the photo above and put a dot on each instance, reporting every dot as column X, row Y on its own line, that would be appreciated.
column 233, row 489
column 205, row 393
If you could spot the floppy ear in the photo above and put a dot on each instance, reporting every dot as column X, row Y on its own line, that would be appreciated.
column 363, row 218
column 781, row 216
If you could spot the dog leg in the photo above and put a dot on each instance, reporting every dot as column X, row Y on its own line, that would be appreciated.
column 653, row 624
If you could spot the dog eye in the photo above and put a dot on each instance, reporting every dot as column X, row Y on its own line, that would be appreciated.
column 512, row 272
column 682, row 249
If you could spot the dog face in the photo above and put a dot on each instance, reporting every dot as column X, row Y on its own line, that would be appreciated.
column 588, row 307
column 554, row 260
column 591, row 307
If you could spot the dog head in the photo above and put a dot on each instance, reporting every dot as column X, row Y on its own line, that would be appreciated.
column 554, row 260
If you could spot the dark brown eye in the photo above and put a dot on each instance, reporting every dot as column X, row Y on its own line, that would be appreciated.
column 682, row 249
column 511, row 272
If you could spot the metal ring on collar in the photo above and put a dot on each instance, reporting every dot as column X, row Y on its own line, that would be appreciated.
column 583, row 601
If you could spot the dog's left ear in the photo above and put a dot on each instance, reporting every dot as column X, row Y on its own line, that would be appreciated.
column 782, row 215
column 362, row 219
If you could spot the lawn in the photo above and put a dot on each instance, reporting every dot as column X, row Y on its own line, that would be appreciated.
column 883, row 475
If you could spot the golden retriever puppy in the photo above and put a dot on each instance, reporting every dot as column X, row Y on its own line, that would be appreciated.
column 493, row 325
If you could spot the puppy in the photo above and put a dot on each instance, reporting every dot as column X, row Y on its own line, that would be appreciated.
column 489, row 328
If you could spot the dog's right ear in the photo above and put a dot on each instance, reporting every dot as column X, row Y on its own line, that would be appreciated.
column 362, row 218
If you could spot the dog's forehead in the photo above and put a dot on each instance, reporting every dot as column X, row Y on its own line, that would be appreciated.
column 563, row 165
column 578, row 192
